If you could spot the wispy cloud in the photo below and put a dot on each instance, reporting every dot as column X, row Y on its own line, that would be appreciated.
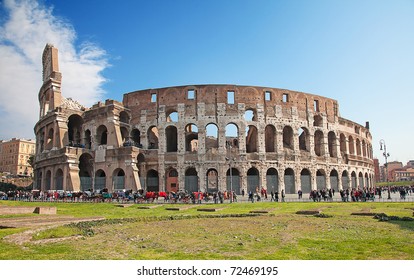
column 26, row 28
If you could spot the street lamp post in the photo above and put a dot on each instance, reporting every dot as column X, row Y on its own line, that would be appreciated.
column 383, row 147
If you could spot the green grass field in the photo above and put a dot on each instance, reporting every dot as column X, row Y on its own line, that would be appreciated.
column 231, row 232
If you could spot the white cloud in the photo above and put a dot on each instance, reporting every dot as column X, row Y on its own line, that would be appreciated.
column 25, row 30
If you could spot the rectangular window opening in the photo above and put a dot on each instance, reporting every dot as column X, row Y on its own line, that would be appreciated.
column 285, row 98
column 268, row 96
column 316, row 105
column 230, row 97
column 153, row 97
column 191, row 94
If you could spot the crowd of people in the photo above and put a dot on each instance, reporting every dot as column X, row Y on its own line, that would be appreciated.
column 346, row 195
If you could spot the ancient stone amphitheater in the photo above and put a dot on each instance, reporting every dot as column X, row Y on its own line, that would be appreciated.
column 198, row 138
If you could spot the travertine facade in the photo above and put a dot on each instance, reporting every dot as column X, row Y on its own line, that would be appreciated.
column 198, row 137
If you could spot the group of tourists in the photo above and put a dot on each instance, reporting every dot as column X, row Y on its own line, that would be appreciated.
column 346, row 195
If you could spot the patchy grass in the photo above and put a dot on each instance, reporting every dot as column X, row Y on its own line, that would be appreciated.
column 231, row 233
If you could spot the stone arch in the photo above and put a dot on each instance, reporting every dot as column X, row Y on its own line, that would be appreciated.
column 232, row 135
column 358, row 147
column 253, row 180
column 306, row 180
column 172, row 184
column 251, row 139
column 88, row 139
column 191, row 180
column 136, row 137
column 152, row 181
column 288, row 137
column 75, row 123
column 334, row 180
column 289, row 178
column 85, row 171
column 50, row 139
column 353, row 180
column 250, row 115
column 212, row 180
column 320, row 179
column 124, row 117
column 304, row 139
column 172, row 116
column 102, row 135
column 270, row 138
column 361, row 180
column 319, row 143
column 118, row 179
column 345, row 180
column 171, row 136
column 100, row 180
column 332, row 144
column 153, row 137
column 351, row 144
column 59, row 179
column 125, row 135
column 342, row 141
column 48, row 180
column 272, row 180
column 212, row 141
column 364, row 149
column 191, row 138
column 233, row 180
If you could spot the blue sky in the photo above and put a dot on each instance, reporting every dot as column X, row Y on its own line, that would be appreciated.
column 360, row 53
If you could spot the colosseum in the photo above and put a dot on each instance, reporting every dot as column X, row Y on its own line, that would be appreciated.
column 205, row 138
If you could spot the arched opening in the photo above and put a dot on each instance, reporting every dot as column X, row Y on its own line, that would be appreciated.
column 358, row 147
column 124, row 117
column 233, row 180
column 88, row 139
column 272, row 180
column 317, row 120
column 342, row 140
column 59, row 179
column 332, row 144
column 48, row 180
column 345, row 180
column 361, row 180
column 364, row 149
column 85, row 171
column 251, row 139
column 367, row 183
column 100, row 180
column 270, row 139
column 320, row 179
column 171, row 138
column 191, row 138
column 319, row 143
column 102, row 135
column 289, row 178
column 351, row 147
column 172, row 180
column 153, row 137
column 288, row 138
column 211, row 137
column 253, row 180
column 118, row 179
column 172, row 117
column 353, row 180
column 305, row 181
column 334, row 180
column 212, row 181
column 136, row 137
column 250, row 115
column 152, row 181
column 232, row 136
column 50, row 139
column 191, row 180
column 75, row 123
column 304, row 140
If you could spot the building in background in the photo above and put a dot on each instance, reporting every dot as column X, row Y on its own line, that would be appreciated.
column 14, row 156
